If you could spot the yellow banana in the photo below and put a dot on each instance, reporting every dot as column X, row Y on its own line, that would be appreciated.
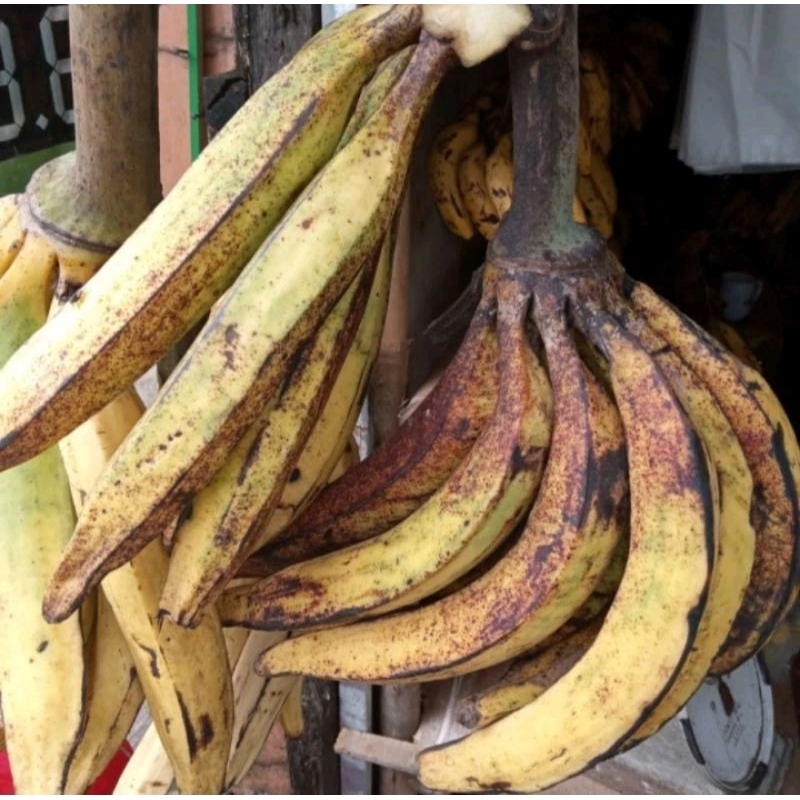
column 246, row 351
column 500, row 174
column 448, row 149
column 42, row 667
column 168, row 273
column 650, row 626
column 474, row 191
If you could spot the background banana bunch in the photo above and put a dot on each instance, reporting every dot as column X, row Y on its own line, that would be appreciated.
column 123, row 525
column 471, row 163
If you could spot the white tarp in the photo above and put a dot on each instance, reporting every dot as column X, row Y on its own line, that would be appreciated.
column 741, row 110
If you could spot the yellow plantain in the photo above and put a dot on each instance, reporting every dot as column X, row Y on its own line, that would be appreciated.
column 228, row 514
column 472, row 513
column 527, row 678
column 500, row 174
column 650, row 626
column 734, row 558
column 548, row 573
column 408, row 467
column 42, row 667
column 168, row 273
column 12, row 233
column 772, row 455
column 247, row 348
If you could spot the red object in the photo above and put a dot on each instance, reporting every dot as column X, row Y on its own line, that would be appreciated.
column 103, row 785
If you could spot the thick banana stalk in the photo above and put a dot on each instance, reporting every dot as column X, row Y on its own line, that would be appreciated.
column 229, row 513
column 396, row 478
column 42, row 669
column 189, row 250
column 246, row 350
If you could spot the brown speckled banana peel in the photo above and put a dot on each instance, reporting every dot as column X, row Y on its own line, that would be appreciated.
column 190, row 249
column 527, row 679
column 650, row 625
column 330, row 449
column 770, row 448
column 42, row 667
column 245, row 351
column 734, row 558
column 461, row 523
column 228, row 513
column 396, row 478
column 550, row 571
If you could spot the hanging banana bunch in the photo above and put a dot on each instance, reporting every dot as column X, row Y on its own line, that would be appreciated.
column 471, row 164
column 618, row 509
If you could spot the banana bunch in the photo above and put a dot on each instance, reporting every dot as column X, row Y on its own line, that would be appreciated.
column 582, row 419
column 125, row 524
column 471, row 170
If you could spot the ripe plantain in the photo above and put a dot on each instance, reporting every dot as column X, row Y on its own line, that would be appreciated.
column 168, row 273
column 527, row 678
column 547, row 574
column 407, row 468
column 474, row 510
column 650, row 626
column 773, row 458
column 228, row 514
column 245, row 351
column 735, row 553
column 42, row 667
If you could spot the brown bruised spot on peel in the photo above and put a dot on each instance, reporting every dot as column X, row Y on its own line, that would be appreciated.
column 151, row 653
column 42, row 646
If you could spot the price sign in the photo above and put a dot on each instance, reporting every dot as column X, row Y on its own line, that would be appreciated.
column 35, row 79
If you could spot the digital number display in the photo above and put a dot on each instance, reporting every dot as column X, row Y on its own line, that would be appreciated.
column 35, row 79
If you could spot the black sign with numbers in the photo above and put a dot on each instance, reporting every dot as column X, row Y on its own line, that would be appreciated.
column 35, row 86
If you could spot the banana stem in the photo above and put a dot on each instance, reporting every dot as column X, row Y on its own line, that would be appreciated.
column 93, row 198
column 545, row 102
column 113, row 50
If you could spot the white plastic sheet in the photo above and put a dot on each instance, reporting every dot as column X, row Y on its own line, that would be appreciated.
column 741, row 109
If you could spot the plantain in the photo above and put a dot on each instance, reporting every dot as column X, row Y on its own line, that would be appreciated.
column 176, row 264
column 245, row 352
